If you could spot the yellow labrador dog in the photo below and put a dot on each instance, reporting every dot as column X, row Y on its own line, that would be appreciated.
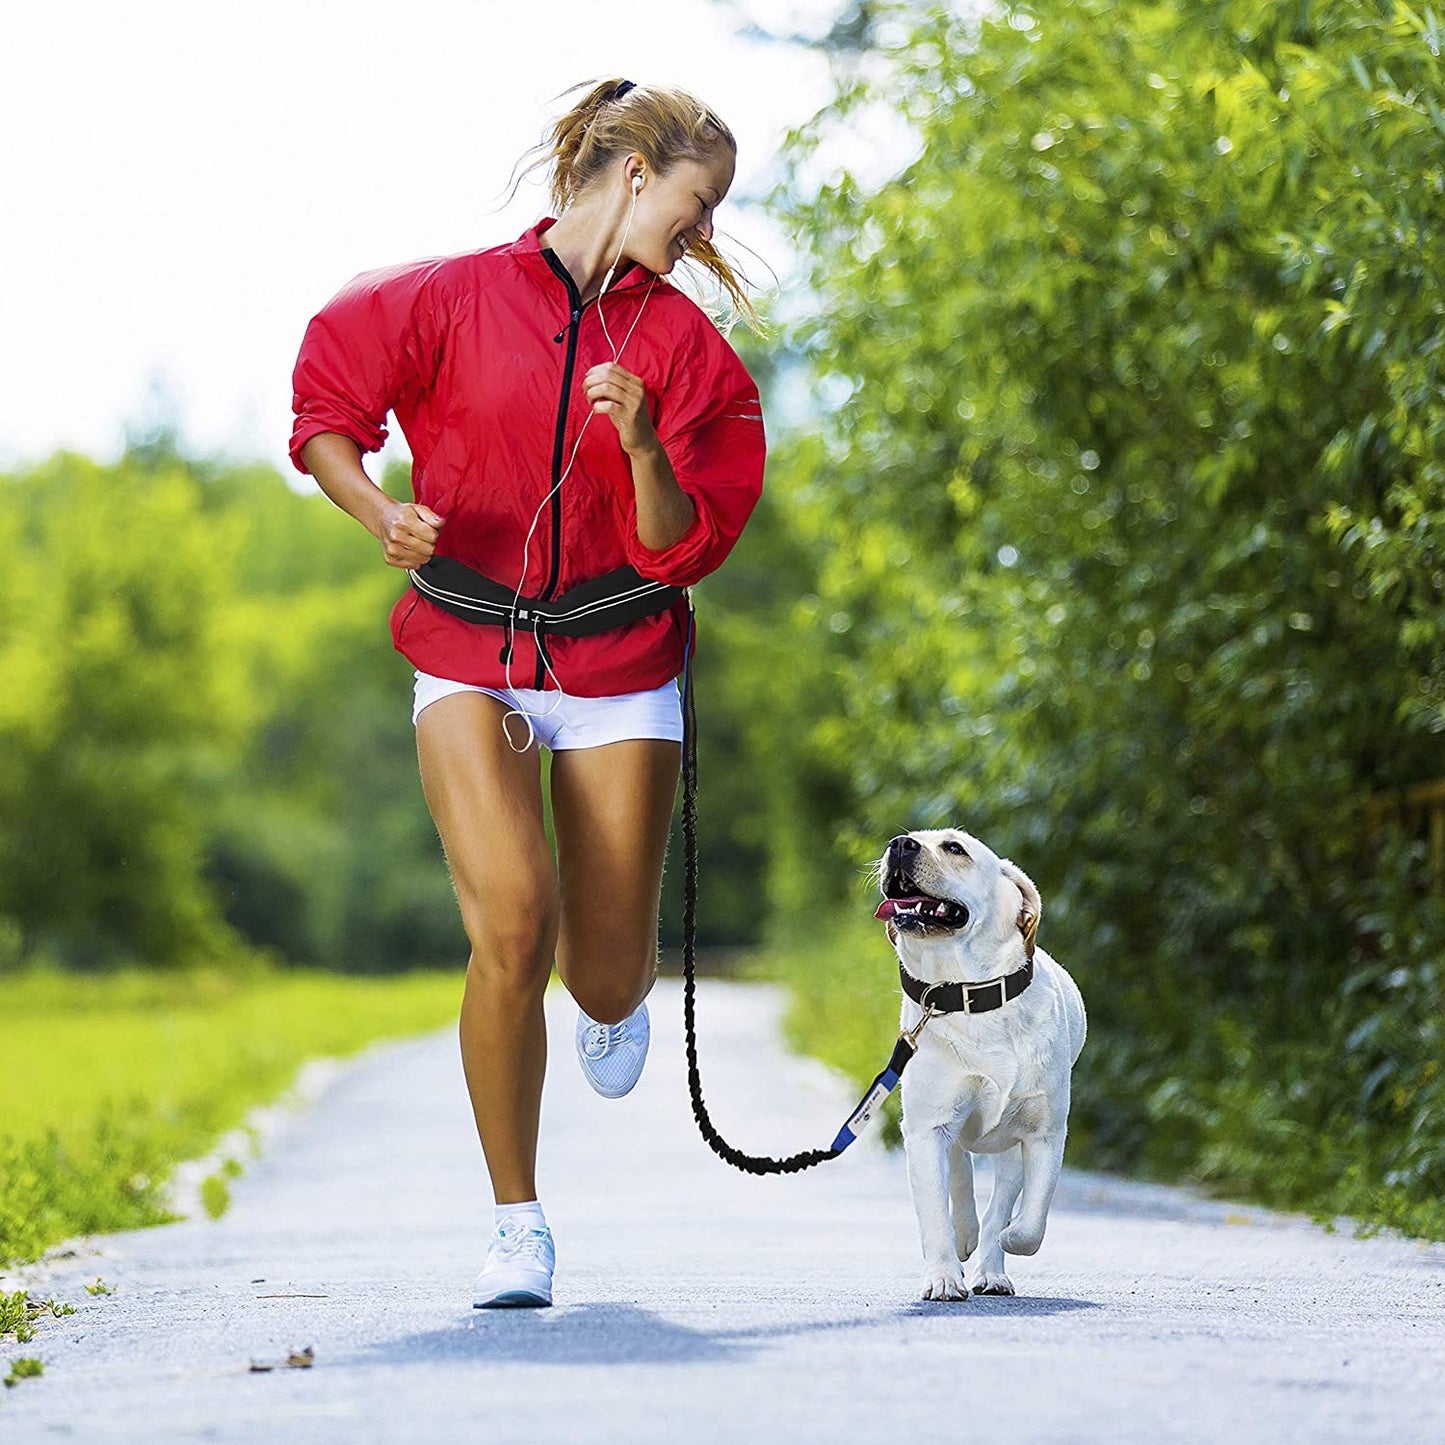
column 991, row 1075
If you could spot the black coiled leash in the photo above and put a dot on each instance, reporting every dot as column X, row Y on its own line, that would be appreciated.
column 617, row 597
column 878, row 1090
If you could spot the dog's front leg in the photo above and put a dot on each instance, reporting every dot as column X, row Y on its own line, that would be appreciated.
column 962, row 1205
column 1043, row 1158
column 928, row 1151
column 986, row 1271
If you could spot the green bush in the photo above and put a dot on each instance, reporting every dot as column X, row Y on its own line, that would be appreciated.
column 1126, row 518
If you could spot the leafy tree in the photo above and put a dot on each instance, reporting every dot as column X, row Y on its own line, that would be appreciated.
column 120, row 697
column 1125, row 510
column 325, row 850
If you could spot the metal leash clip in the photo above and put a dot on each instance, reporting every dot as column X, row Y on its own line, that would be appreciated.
column 928, row 1012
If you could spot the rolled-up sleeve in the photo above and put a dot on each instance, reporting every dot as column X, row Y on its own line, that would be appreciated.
column 375, row 341
column 710, row 425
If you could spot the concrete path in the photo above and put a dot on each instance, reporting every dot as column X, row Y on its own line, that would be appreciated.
column 696, row 1304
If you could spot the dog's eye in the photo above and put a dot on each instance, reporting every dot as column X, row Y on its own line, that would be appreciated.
column 951, row 847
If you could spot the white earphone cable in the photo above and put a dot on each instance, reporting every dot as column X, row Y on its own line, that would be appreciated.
column 526, row 543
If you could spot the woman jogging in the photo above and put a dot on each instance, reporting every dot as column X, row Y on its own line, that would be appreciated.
column 572, row 417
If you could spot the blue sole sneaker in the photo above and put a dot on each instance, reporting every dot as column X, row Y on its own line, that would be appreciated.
column 514, row 1299
column 518, row 1270
column 612, row 1055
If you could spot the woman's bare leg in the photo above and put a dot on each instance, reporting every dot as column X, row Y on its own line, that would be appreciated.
column 486, row 801
column 611, row 809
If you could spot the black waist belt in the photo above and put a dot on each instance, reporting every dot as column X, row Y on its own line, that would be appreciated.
column 623, row 595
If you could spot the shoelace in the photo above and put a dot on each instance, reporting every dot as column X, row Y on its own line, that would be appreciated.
column 600, row 1038
column 529, row 1242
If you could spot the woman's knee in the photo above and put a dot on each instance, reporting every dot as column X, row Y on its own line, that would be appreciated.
column 608, row 994
column 521, row 969
column 513, row 937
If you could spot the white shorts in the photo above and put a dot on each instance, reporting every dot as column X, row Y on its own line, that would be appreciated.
column 562, row 721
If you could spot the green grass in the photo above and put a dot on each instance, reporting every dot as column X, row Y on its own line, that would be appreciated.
column 111, row 1080
column 25, row 1368
column 18, row 1313
column 15, row 1316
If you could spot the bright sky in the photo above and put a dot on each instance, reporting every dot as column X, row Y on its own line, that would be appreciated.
column 188, row 183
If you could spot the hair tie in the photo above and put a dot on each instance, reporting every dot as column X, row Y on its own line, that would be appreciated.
column 623, row 89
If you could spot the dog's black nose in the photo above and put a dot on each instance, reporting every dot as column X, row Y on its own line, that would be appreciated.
column 903, row 844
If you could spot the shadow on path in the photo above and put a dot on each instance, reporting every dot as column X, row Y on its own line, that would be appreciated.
column 606, row 1333
column 1014, row 1307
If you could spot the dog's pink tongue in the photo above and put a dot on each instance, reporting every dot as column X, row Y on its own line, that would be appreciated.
column 890, row 906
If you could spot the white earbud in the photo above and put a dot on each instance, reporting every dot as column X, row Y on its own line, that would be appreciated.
column 636, row 184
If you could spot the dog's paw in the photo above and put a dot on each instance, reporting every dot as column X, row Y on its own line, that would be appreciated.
column 1018, row 1240
column 942, row 1282
column 966, row 1242
column 990, row 1283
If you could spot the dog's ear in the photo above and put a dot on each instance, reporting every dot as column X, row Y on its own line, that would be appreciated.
column 1033, row 907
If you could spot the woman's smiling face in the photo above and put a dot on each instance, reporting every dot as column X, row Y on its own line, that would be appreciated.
column 675, row 207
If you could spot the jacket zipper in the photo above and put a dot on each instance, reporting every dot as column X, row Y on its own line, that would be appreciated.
column 559, row 443
column 571, row 331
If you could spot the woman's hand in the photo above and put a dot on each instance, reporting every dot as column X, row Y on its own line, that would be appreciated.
column 664, row 511
column 408, row 533
column 616, row 392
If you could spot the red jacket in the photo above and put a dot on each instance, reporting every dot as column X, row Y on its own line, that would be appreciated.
column 481, row 357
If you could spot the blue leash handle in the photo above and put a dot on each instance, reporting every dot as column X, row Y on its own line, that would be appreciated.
column 876, row 1093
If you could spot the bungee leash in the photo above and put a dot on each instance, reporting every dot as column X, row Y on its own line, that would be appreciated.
column 883, row 1085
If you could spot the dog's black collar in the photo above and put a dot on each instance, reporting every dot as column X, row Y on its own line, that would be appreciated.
column 967, row 998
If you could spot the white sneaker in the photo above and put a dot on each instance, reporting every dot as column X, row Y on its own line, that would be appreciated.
column 612, row 1055
column 518, row 1271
